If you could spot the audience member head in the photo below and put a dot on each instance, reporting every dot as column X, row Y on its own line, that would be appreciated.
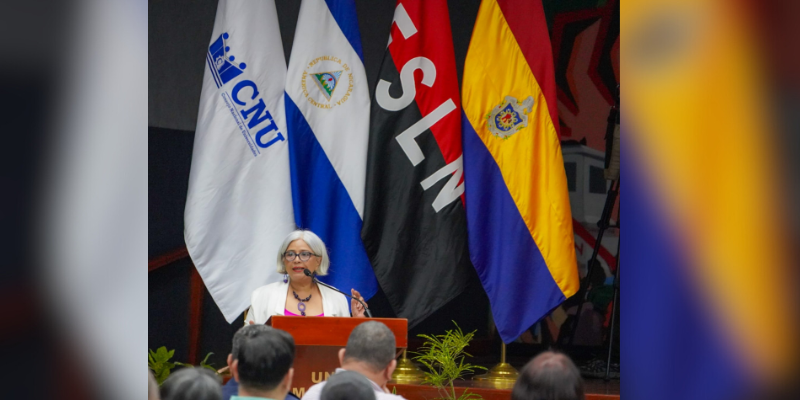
column 261, row 361
column 192, row 384
column 370, row 351
column 347, row 385
column 549, row 376
column 152, row 386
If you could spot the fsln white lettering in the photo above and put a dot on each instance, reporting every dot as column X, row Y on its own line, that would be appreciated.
column 386, row 101
column 404, row 23
column 406, row 139
column 451, row 190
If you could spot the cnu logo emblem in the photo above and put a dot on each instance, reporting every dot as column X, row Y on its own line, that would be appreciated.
column 220, row 63
column 249, row 112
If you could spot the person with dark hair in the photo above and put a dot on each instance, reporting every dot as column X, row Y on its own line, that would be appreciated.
column 549, row 376
column 261, row 362
column 370, row 351
column 347, row 385
column 192, row 383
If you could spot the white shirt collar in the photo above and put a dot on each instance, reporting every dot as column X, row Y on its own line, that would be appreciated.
column 375, row 386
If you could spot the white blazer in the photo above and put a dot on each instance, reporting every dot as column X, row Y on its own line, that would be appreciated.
column 270, row 300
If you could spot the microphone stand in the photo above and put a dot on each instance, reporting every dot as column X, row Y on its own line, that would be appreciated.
column 603, row 224
column 314, row 278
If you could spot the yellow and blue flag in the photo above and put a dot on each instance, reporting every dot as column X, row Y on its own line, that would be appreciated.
column 518, row 212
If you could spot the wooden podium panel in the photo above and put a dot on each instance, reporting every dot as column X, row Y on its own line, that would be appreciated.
column 333, row 331
column 318, row 341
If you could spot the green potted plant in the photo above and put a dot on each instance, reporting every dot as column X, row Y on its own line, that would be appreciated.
column 443, row 355
column 159, row 362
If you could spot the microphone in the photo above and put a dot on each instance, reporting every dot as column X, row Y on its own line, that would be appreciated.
column 310, row 274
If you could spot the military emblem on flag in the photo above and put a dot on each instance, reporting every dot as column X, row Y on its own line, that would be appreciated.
column 326, row 82
column 509, row 117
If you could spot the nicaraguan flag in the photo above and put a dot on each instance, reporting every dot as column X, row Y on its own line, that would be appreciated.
column 239, row 207
column 327, row 111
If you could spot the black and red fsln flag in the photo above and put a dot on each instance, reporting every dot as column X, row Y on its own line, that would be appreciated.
column 414, row 222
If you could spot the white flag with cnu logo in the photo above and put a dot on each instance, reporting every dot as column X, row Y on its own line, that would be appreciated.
column 327, row 112
column 239, row 205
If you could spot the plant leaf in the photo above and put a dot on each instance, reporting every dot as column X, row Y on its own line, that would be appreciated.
column 443, row 357
column 161, row 353
column 209, row 367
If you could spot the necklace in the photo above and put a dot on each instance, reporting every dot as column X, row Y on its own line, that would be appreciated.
column 301, row 305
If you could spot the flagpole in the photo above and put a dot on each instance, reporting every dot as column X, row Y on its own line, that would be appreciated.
column 407, row 372
column 502, row 375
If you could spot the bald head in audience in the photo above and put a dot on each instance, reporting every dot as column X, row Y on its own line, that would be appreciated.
column 549, row 376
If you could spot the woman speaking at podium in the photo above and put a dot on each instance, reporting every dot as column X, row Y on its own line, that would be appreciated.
column 298, row 294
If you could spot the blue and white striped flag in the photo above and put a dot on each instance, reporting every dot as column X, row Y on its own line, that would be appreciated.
column 239, row 206
column 327, row 112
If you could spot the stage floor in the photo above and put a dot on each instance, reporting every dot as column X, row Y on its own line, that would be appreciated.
column 600, row 389
column 595, row 389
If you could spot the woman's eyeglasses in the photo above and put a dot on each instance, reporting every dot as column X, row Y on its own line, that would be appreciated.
column 304, row 255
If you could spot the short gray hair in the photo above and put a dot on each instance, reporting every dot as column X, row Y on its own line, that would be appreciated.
column 347, row 385
column 313, row 241
column 550, row 375
column 373, row 343
column 192, row 383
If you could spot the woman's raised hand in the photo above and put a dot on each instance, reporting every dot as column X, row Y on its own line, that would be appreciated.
column 355, row 307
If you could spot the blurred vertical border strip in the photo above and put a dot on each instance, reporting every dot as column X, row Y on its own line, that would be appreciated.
column 703, row 144
column 93, row 196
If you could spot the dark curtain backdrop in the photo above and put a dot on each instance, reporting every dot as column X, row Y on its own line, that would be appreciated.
column 179, row 32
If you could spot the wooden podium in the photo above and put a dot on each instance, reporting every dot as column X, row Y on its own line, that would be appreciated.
column 318, row 340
